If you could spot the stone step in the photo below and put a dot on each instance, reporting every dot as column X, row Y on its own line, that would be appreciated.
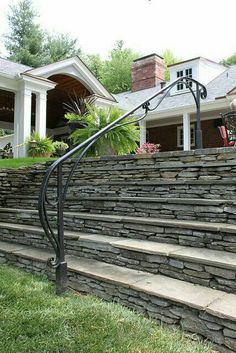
column 207, row 188
column 216, row 236
column 199, row 189
column 209, row 210
column 216, row 269
column 196, row 309
column 30, row 235
column 211, row 268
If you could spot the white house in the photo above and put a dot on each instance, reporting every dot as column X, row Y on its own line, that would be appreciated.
column 172, row 124
column 32, row 99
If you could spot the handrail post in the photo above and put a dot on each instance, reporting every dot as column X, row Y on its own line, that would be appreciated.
column 61, row 269
column 198, row 130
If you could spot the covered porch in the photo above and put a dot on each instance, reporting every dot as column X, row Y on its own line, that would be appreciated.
column 175, row 130
column 34, row 100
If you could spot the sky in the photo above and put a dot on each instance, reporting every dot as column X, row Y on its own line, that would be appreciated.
column 189, row 28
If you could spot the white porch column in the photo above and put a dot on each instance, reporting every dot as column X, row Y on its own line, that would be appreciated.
column 16, row 125
column 41, row 113
column 142, row 125
column 186, row 132
column 22, row 121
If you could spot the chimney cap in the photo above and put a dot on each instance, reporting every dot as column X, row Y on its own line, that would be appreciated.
column 148, row 56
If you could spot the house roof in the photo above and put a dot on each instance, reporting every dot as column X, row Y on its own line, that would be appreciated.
column 217, row 88
column 193, row 59
column 12, row 69
column 76, row 68
column 73, row 67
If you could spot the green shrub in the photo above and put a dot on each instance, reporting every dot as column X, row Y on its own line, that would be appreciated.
column 39, row 146
column 60, row 145
column 121, row 140
column 60, row 148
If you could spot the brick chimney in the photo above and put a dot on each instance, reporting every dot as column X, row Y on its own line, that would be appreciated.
column 147, row 72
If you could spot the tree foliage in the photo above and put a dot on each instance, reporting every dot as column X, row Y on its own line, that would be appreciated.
column 169, row 59
column 28, row 44
column 59, row 47
column 25, row 40
column 231, row 60
column 95, row 64
column 117, row 70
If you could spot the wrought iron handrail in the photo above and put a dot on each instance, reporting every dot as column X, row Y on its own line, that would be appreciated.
column 56, row 237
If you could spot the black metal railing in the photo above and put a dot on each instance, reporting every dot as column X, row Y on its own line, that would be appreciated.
column 56, row 236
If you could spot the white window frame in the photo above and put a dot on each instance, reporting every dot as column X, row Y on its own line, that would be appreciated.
column 180, row 130
column 180, row 86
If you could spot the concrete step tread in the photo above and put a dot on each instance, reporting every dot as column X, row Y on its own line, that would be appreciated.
column 164, row 222
column 210, row 300
column 35, row 229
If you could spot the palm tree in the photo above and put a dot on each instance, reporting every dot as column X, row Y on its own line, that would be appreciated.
column 121, row 140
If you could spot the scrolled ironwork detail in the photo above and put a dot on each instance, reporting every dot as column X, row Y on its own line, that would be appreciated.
column 56, row 236
column 146, row 106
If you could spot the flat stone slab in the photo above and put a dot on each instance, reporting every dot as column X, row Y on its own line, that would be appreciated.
column 221, row 259
column 149, row 247
column 17, row 210
column 99, row 217
column 11, row 247
column 216, row 227
column 35, row 254
column 178, row 291
column 163, row 200
column 106, row 239
column 105, row 271
column 35, row 229
column 189, row 294
column 21, row 227
column 224, row 307
column 25, row 251
column 217, row 258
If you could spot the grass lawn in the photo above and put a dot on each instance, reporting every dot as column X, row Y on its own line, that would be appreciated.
column 33, row 319
column 21, row 162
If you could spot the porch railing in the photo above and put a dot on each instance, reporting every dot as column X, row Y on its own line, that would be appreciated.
column 56, row 236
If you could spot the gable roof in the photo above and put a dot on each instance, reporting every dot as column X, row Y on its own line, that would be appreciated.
column 217, row 88
column 76, row 68
column 197, row 58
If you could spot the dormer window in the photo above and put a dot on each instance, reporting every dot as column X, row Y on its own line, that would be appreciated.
column 188, row 73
